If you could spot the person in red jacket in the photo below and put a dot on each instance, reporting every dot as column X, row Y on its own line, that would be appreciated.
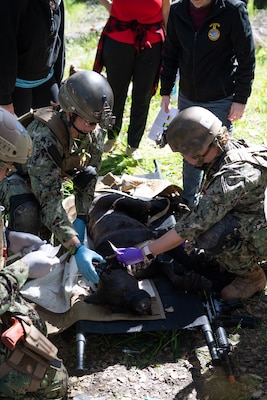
column 130, row 49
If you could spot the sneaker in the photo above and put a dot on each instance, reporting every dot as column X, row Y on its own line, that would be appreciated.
column 243, row 287
column 109, row 145
column 133, row 153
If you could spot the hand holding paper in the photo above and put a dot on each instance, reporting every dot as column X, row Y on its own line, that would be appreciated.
column 161, row 122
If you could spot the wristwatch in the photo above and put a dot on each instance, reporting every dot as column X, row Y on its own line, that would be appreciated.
column 74, row 248
column 148, row 255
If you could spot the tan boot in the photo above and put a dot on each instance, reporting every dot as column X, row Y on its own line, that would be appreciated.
column 133, row 152
column 243, row 287
column 109, row 145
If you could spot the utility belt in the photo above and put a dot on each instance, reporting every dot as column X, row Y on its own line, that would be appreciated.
column 31, row 352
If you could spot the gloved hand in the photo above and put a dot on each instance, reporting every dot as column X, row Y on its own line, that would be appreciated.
column 20, row 240
column 129, row 255
column 79, row 226
column 39, row 263
column 84, row 259
column 82, row 178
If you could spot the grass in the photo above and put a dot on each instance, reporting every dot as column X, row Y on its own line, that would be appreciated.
column 84, row 21
column 143, row 349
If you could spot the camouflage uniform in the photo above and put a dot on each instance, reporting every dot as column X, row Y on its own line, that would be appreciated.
column 14, row 385
column 1, row 239
column 236, row 187
column 48, row 167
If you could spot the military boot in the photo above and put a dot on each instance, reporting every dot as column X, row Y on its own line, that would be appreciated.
column 243, row 287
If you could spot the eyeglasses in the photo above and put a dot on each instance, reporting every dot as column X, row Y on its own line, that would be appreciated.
column 202, row 156
column 87, row 123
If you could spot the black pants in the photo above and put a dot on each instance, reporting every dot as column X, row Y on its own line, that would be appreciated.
column 123, row 65
column 40, row 96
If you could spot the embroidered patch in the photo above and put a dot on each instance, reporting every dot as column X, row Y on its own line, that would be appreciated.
column 214, row 33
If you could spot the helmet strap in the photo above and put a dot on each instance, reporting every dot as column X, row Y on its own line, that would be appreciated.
column 81, row 133
column 72, row 125
column 200, row 160
column 72, row 120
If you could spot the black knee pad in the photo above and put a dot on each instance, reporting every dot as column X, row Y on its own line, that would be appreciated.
column 24, row 214
column 214, row 239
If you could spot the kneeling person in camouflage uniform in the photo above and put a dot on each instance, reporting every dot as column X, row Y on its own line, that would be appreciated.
column 25, row 372
column 67, row 145
column 229, row 221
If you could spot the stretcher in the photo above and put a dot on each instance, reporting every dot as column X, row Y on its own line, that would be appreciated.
column 182, row 311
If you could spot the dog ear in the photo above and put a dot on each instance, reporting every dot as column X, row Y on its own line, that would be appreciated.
column 73, row 69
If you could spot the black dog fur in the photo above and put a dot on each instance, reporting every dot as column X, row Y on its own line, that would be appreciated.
column 122, row 221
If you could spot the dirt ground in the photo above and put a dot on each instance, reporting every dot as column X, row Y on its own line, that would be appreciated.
column 149, row 366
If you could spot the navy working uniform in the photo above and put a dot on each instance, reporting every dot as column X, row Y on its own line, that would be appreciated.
column 29, row 377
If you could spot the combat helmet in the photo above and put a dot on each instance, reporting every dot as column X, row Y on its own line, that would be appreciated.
column 192, row 130
column 88, row 95
column 15, row 142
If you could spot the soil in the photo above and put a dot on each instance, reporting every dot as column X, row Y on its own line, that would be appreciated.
column 176, row 364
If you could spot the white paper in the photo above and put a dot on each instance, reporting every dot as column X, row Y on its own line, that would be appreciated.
column 146, row 285
column 161, row 122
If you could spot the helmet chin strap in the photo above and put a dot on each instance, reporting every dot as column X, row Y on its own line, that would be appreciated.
column 72, row 120
column 81, row 133
column 72, row 125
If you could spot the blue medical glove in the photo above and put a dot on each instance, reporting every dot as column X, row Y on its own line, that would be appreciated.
column 79, row 226
column 84, row 258
column 129, row 255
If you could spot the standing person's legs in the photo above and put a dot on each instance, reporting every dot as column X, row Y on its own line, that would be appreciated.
column 118, row 60
column 221, row 109
column 26, row 98
column 22, row 100
column 44, row 94
column 192, row 176
column 146, row 69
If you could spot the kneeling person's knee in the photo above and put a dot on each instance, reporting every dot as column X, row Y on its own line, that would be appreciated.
column 24, row 214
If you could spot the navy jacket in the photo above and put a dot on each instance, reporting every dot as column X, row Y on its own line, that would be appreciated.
column 215, row 62
column 32, row 42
